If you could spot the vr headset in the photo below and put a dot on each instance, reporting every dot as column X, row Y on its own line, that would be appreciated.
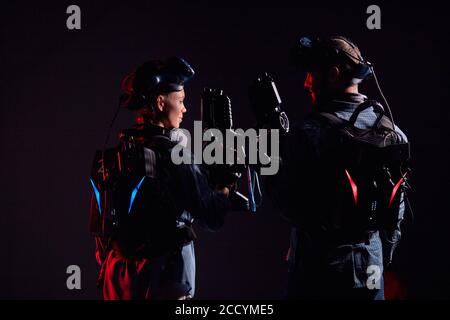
column 154, row 77
column 317, row 54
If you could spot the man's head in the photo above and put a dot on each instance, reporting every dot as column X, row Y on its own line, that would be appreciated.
column 156, row 90
column 334, row 65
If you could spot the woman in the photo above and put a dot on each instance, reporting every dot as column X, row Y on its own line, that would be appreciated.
column 153, row 256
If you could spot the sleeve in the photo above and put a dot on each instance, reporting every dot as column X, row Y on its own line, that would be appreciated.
column 207, row 206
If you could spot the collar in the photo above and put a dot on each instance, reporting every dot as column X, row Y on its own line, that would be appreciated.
column 150, row 130
column 340, row 102
column 145, row 131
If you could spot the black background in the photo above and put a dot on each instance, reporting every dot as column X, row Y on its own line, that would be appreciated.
column 59, row 89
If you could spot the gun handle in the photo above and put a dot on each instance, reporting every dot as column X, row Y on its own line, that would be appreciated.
column 239, row 202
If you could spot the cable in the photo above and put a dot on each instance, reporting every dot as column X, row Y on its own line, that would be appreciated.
column 382, row 95
column 111, row 125
column 107, row 139
column 250, row 190
column 409, row 205
column 256, row 182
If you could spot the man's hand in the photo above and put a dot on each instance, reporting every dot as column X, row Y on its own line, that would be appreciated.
column 224, row 190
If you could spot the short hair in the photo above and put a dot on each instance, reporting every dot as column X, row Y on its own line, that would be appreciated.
column 353, row 54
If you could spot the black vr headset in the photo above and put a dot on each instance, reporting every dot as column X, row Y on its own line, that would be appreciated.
column 155, row 77
column 317, row 54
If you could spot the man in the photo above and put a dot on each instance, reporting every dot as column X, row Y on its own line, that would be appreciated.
column 150, row 252
column 330, row 259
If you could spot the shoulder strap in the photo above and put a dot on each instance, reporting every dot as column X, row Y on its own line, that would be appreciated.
column 377, row 107
column 382, row 119
column 332, row 119
column 385, row 121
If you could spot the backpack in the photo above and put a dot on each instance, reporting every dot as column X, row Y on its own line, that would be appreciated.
column 370, row 169
column 132, row 201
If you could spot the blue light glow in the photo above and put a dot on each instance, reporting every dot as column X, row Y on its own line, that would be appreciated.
column 133, row 194
column 97, row 196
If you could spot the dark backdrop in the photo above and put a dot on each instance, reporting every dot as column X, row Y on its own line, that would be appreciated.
column 59, row 90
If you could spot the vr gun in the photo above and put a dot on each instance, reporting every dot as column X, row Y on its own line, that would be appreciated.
column 266, row 104
column 217, row 114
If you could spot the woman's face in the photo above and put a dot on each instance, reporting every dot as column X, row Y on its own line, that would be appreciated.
column 173, row 109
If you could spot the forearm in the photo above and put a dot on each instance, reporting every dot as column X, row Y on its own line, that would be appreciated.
column 207, row 206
